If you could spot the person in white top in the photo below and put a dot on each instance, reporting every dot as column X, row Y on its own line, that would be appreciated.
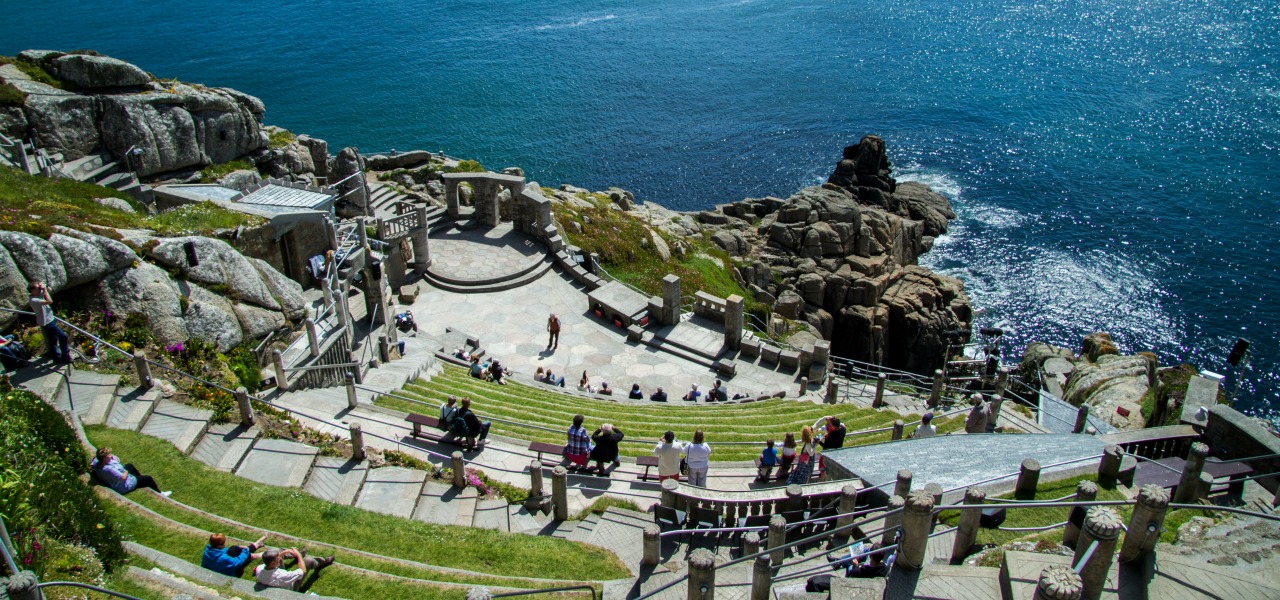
column 272, row 574
column 698, row 455
column 42, row 305
column 926, row 428
column 668, row 452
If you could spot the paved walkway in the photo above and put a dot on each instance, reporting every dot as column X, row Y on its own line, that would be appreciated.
column 482, row 252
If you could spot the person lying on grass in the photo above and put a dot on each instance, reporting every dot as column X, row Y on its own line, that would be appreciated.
column 272, row 573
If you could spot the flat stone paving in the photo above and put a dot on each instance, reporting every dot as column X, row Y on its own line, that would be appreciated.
column 278, row 462
column 224, row 445
column 337, row 480
column 178, row 424
column 945, row 582
column 482, row 253
column 957, row 460
column 132, row 408
column 440, row 503
column 391, row 490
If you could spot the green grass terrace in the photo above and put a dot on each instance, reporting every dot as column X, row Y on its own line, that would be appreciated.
column 736, row 432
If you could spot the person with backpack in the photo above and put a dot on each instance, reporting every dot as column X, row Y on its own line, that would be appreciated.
column 448, row 411
column 467, row 425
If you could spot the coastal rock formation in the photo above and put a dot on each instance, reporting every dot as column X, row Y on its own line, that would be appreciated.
column 226, row 298
column 1113, row 385
column 354, row 191
column 112, row 106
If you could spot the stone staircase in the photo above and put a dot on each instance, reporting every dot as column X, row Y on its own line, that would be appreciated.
column 1245, row 544
column 384, row 198
column 103, row 170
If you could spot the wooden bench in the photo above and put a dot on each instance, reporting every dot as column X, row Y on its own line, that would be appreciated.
column 435, row 434
column 646, row 462
column 544, row 447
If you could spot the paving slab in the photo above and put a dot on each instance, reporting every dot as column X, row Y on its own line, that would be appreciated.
column 178, row 424
column 492, row 514
column 91, row 396
column 131, row 409
column 946, row 582
column 439, row 504
column 337, row 480
column 391, row 490
column 224, row 445
column 278, row 462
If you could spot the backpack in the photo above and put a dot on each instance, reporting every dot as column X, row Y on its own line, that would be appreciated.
column 458, row 426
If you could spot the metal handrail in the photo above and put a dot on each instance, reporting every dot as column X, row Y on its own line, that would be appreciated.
column 318, row 367
column 1044, row 528
column 192, row 377
column 1015, row 473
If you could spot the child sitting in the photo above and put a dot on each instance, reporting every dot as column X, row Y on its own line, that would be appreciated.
column 767, row 461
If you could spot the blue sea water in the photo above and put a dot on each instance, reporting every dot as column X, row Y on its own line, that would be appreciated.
column 1113, row 163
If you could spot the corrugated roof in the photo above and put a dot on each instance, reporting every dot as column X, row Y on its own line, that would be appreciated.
column 279, row 195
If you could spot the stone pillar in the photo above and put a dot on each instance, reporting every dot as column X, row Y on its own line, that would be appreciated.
column 734, row 319
column 313, row 337
column 332, row 233
column 1186, row 491
column 341, row 308
column 935, row 395
column 898, row 426
column 352, row 400
column 282, row 377
column 1082, row 419
column 23, row 586
column 1086, row 491
column 560, row 492
column 777, row 537
column 902, row 486
column 421, row 246
column 451, row 197
column 1103, row 525
column 362, row 234
column 357, row 372
column 246, row 407
column 1202, row 489
column 669, row 487
column 326, row 292
column 848, row 504
column 143, row 368
column 1109, row 466
column 795, row 497
column 750, row 543
column 670, row 300
column 893, row 519
column 1002, row 381
column 1145, row 523
column 761, row 577
column 1058, row 582
column 804, row 387
column 652, row 546
column 384, row 349
column 459, row 470
column 357, row 442
column 967, row 534
column 535, row 477
column 917, row 519
column 878, row 401
column 702, row 575
column 1028, row 479
column 935, row 490
column 833, row 392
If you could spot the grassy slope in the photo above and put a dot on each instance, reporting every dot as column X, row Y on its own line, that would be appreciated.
column 537, row 405
column 293, row 512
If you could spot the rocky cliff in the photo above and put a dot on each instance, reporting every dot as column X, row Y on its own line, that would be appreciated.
column 106, row 104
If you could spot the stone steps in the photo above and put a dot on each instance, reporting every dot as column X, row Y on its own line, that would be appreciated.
column 91, row 396
column 131, row 408
column 178, row 424
column 224, row 446
column 278, row 462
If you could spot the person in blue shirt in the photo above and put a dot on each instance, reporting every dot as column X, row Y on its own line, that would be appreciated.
column 768, row 460
column 229, row 561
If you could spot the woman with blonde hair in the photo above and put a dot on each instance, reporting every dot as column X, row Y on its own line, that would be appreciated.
column 804, row 461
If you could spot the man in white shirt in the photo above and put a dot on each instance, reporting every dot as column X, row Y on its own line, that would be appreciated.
column 668, row 452
column 926, row 428
column 272, row 574
column 42, row 305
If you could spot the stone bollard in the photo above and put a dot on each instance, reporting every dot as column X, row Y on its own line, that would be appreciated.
column 356, row 372
column 878, row 401
column 459, row 470
column 917, row 520
column 1103, row 525
column 1058, row 582
column 935, row 395
column 1028, row 479
column 328, row 293
column 560, row 493
column 1186, row 490
column 903, row 486
column 246, row 407
column 898, row 426
column 479, row 593
column 777, row 537
column 750, row 543
column 352, row 400
column 535, row 486
column 967, row 534
column 761, row 577
column 1109, row 466
column 1082, row 419
column 357, row 442
column 702, row 575
column 848, row 504
column 143, row 368
column 804, row 387
column 1205, row 484
column 313, row 336
column 934, row 490
column 23, row 586
column 384, row 349
column 652, row 546
column 833, row 391
column 1145, row 523
column 892, row 520
column 795, row 497
column 1086, row 491
column 282, row 377
column 669, row 487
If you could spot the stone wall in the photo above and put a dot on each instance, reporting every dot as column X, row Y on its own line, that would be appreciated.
column 1231, row 434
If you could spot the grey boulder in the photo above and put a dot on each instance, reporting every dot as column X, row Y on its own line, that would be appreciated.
column 97, row 72
column 145, row 289
column 217, row 264
column 211, row 317
column 37, row 259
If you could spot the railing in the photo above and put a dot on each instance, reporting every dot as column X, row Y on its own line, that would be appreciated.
column 708, row 306
column 395, row 228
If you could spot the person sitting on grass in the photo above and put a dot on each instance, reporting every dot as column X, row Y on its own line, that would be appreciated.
column 658, row 396
column 497, row 373
column 636, row 394
column 272, row 573
column 121, row 478
column 231, row 561
column 477, row 370
column 718, row 393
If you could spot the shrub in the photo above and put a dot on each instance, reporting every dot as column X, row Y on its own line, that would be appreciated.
column 281, row 139
column 244, row 365
column 213, row 173
column 464, row 166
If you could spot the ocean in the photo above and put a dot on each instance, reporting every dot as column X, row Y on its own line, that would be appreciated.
column 1113, row 164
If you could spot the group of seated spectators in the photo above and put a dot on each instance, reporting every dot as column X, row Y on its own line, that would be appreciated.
column 717, row 393
column 489, row 370
column 232, row 561
column 458, row 418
